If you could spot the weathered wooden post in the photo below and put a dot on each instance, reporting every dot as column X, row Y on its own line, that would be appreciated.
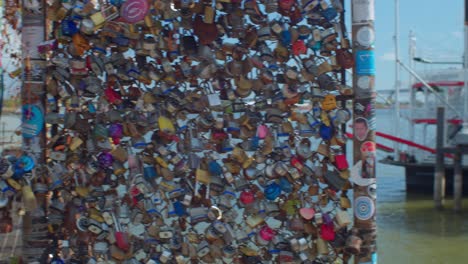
column 458, row 179
column 33, row 125
column 363, row 175
column 439, row 176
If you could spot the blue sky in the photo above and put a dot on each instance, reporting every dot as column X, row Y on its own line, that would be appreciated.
column 438, row 26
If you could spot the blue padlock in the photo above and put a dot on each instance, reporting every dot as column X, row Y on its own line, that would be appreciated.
column 286, row 37
column 179, row 208
column 116, row 3
column 316, row 45
column 329, row 14
column 214, row 168
column 326, row 132
column 69, row 27
column 272, row 191
column 23, row 165
column 285, row 185
column 149, row 172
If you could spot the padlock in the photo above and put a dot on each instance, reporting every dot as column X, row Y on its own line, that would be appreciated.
column 29, row 199
column 298, row 245
column 334, row 180
column 272, row 191
column 121, row 237
column 353, row 243
column 342, row 218
column 265, row 235
column 322, row 246
column 341, row 162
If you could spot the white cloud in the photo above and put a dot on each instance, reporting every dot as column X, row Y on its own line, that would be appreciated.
column 388, row 56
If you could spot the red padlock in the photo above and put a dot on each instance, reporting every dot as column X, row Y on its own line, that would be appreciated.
column 112, row 96
column 247, row 197
column 121, row 237
column 299, row 48
column 327, row 233
column 297, row 162
column 341, row 162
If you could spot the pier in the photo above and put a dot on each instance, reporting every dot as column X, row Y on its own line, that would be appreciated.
column 457, row 151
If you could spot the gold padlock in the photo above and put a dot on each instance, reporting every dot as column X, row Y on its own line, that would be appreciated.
column 209, row 15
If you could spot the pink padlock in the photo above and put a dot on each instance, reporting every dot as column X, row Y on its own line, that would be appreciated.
column 262, row 131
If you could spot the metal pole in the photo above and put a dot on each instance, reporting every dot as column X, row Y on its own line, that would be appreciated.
column 439, row 176
column 397, row 76
column 458, row 179
column 412, row 53
column 364, row 147
column 465, row 67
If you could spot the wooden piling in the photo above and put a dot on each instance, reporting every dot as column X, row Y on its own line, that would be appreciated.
column 458, row 179
column 439, row 177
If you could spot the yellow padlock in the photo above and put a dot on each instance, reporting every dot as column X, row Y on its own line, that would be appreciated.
column 14, row 184
column 95, row 214
column 29, row 199
column 209, row 15
column 239, row 154
column 98, row 19
column 203, row 176
column 161, row 162
column 166, row 125
column 82, row 191
column 75, row 143
column 345, row 203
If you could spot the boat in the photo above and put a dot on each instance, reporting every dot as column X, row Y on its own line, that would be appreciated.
column 418, row 154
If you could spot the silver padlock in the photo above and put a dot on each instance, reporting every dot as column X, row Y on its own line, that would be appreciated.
column 203, row 249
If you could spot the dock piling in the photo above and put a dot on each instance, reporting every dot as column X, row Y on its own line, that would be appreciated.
column 439, row 177
column 458, row 179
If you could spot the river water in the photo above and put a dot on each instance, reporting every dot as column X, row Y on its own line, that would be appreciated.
column 410, row 230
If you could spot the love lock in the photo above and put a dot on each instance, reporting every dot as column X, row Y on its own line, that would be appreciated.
column 193, row 129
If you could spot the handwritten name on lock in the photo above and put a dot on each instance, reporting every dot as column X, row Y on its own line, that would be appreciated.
column 190, row 117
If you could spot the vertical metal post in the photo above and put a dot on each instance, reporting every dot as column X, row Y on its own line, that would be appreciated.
column 364, row 128
column 465, row 67
column 397, row 77
column 33, row 111
column 439, row 177
column 412, row 54
column 344, row 38
column 458, row 179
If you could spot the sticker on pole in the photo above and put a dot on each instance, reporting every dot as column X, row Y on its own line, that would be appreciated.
column 363, row 11
column 359, row 176
column 134, row 11
column 365, row 36
column 364, row 208
column 365, row 62
column 32, row 121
